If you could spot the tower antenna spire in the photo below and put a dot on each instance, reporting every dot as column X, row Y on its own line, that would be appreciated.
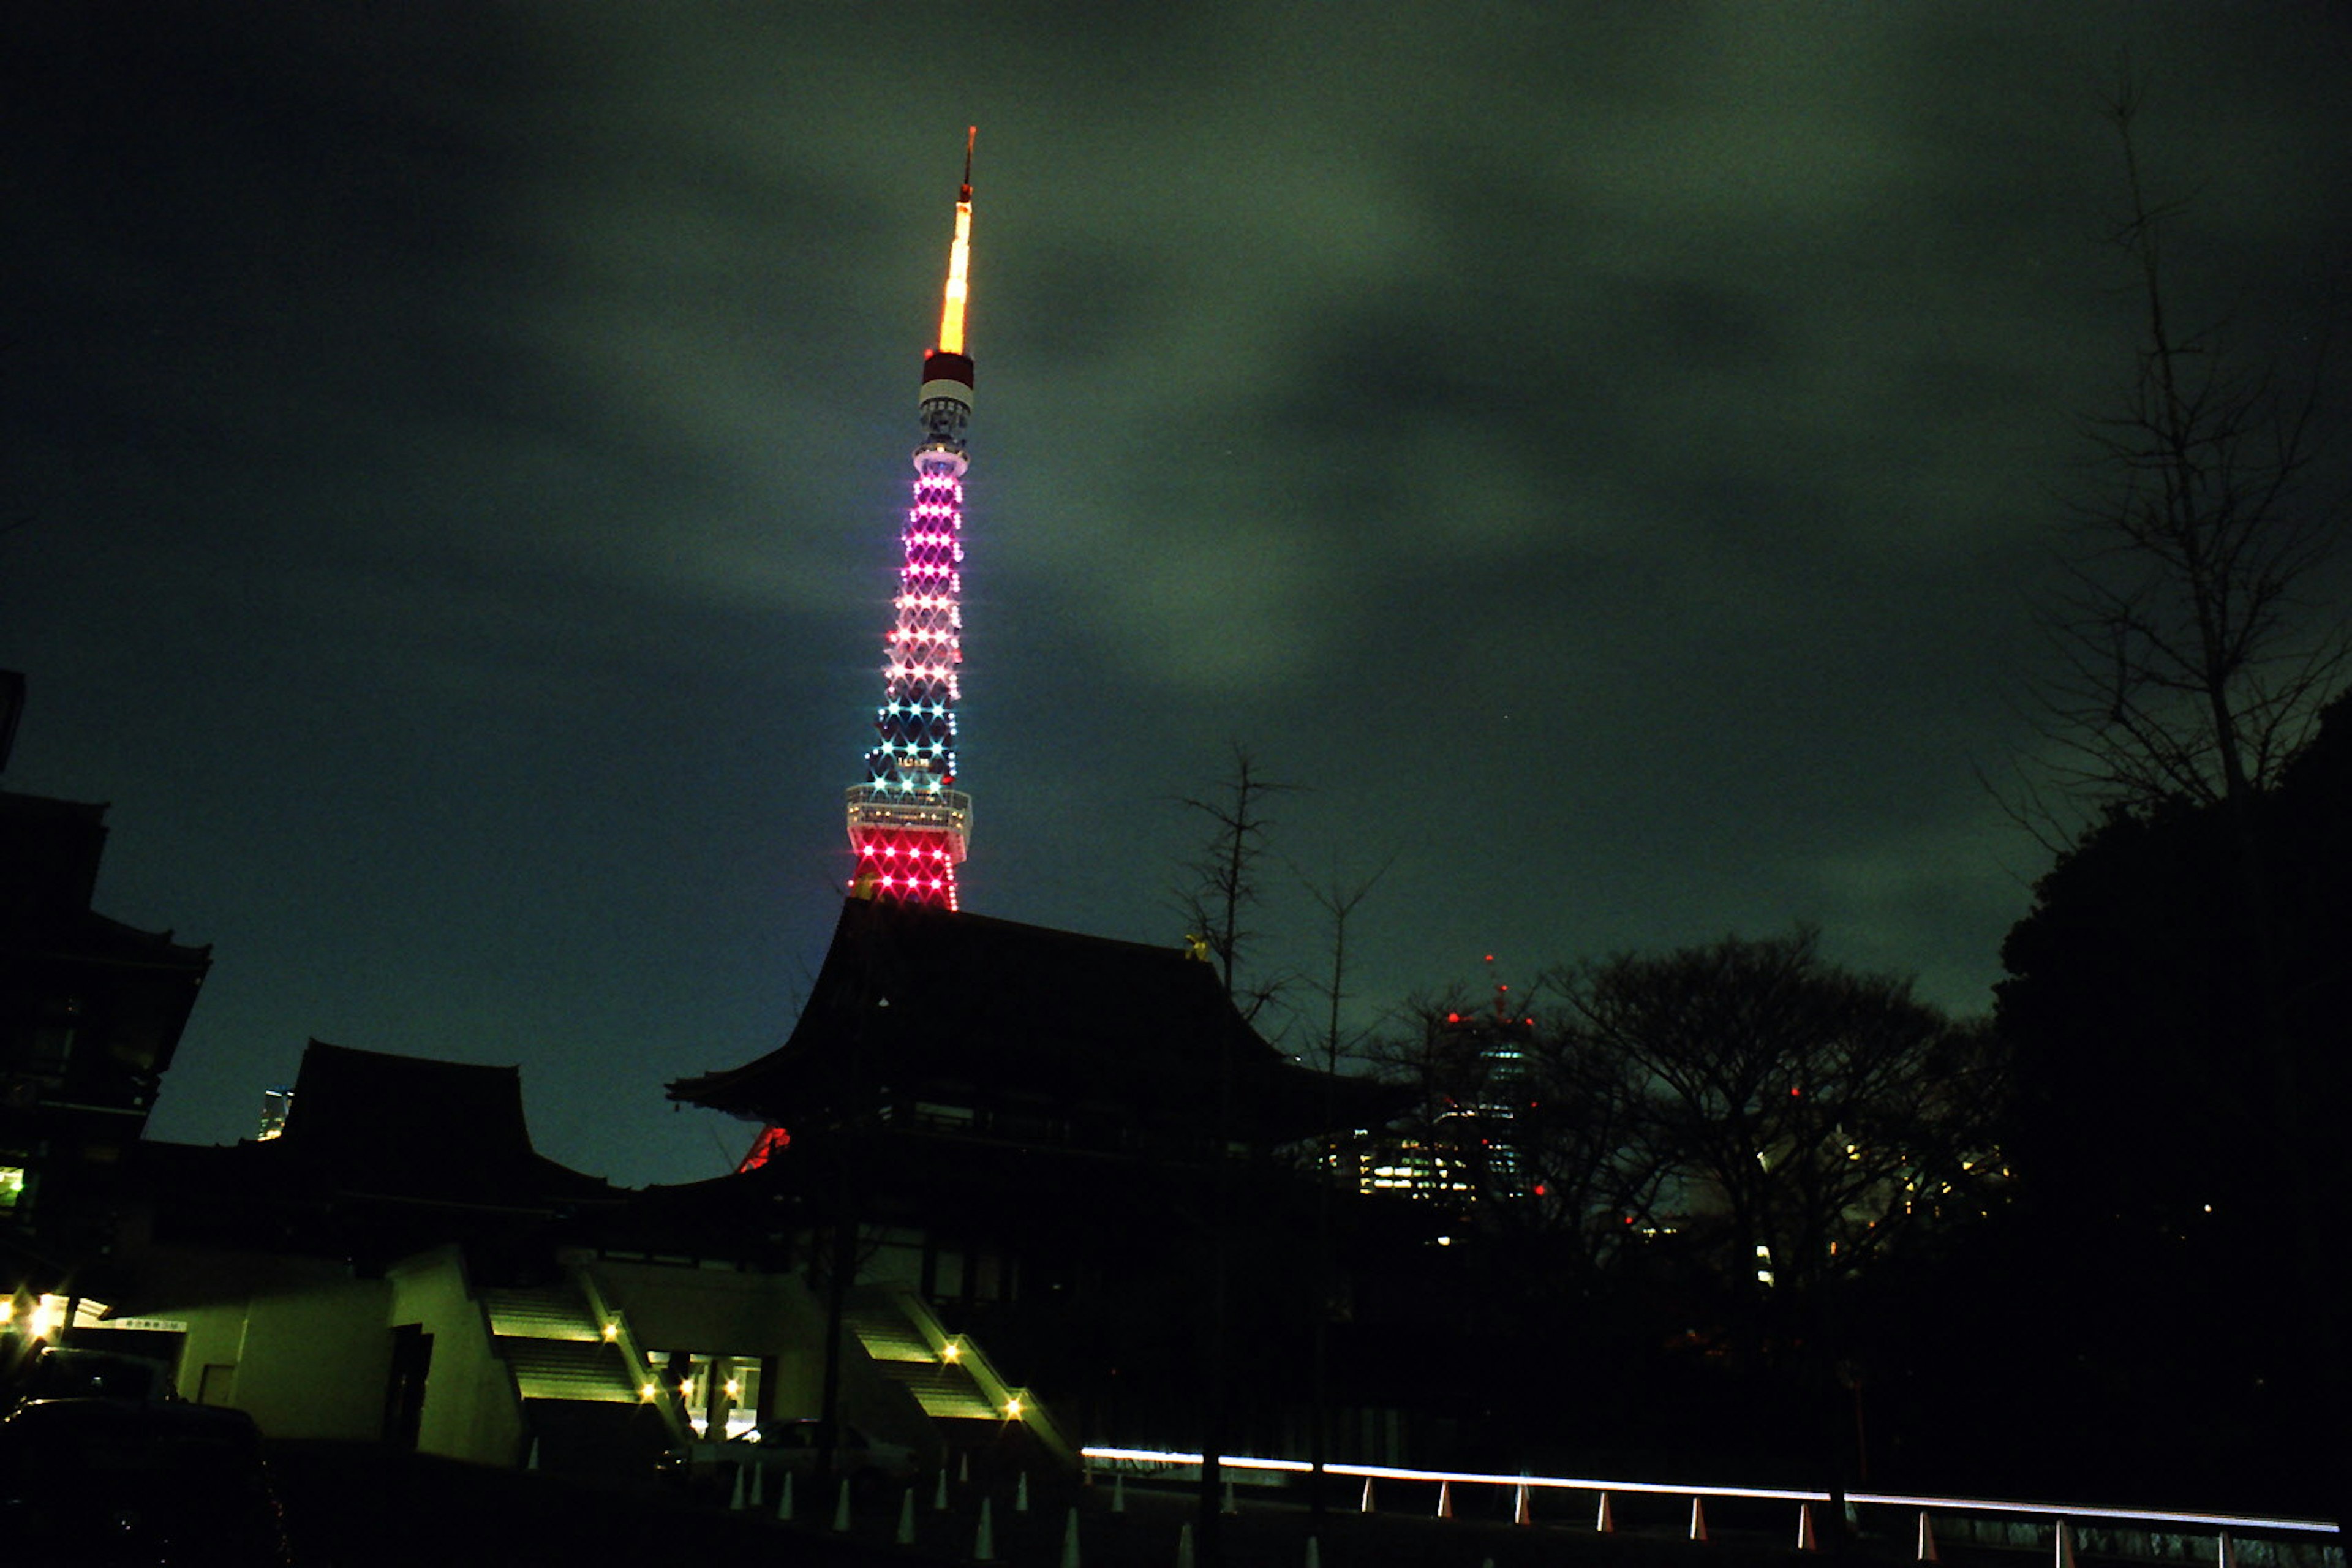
column 908, row 824
column 959, row 259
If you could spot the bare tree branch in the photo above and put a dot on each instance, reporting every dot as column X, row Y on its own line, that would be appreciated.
column 2190, row 663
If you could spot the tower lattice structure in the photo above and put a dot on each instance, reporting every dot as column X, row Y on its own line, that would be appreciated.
column 909, row 822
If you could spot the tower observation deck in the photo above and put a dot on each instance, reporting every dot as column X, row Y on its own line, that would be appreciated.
column 909, row 822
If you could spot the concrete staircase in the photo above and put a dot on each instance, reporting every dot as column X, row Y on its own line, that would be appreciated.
column 947, row 1374
column 945, row 1388
column 557, row 1350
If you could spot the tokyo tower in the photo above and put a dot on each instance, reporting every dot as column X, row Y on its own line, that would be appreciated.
column 907, row 822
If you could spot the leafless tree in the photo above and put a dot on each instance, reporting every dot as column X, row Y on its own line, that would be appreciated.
column 1804, row 1114
column 2191, row 665
column 1224, row 879
column 1338, row 899
column 1224, row 885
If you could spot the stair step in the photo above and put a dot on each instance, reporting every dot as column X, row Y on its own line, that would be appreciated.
column 888, row 1341
column 943, row 1391
column 567, row 1368
column 554, row 1312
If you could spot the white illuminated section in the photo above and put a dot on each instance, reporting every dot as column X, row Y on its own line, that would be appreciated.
column 1946, row 1504
column 1460, row 1478
column 2069, row 1510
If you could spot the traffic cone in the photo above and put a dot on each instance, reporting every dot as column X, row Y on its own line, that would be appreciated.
column 2062, row 1554
column 1604, row 1523
column 1366, row 1506
column 1070, row 1541
column 1021, row 1492
column 906, row 1516
column 1698, row 1518
column 940, row 1492
column 1521, row 1513
column 735, row 1499
column 1926, row 1540
column 1184, row 1547
column 533, row 1463
column 1805, row 1542
column 984, row 1540
column 1445, row 1500
column 784, row 1497
column 759, row 1487
column 1118, row 1492
column 841, row 1511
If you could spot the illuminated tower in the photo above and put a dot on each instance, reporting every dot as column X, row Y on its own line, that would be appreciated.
column 907, row 822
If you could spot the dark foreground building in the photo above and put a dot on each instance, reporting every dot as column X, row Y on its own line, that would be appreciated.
column 90, row 1013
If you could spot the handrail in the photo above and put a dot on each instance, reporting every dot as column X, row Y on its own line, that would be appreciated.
column 1012, row 1404
column 632, row 1357
column 2082, row 1510
column 1464, row 1478
column 1946, row 1504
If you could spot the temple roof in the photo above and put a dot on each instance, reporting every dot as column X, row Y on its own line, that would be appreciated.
column 367, row 1123
column 920, row 1001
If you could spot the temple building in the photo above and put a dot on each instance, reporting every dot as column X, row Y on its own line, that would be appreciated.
column 91, row 1014
column 1045, row 1136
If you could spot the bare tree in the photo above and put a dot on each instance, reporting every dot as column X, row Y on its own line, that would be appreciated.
column 1338, row 899
column 2191, row 667
column 1224, row 887
column 1804, row 1114
column 1226, row 877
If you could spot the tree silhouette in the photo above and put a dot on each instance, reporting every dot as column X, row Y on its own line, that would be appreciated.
column 2191, row 665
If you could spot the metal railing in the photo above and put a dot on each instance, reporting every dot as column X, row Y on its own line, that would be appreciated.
column 2058, row 1514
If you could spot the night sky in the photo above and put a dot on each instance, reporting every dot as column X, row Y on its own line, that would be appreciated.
column 1606, row 453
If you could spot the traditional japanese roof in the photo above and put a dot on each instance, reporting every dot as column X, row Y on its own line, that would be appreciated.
column 916, row 1002
column 371, row 1124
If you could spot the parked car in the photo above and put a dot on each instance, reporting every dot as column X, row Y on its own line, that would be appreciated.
column 790, row 1448
column 62, row 1372
column 112, row 1481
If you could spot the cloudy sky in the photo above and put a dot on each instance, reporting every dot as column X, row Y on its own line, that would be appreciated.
column 1604, row 454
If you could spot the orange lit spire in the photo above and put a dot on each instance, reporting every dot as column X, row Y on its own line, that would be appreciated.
column 958, row 258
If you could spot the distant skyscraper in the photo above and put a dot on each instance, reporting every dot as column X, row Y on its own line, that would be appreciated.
column 1475, row 1065
column 908, row 824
